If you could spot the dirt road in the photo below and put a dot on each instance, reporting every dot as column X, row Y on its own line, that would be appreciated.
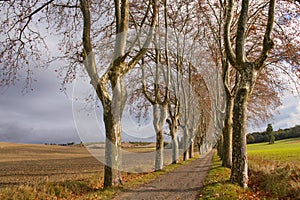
column 184, row 183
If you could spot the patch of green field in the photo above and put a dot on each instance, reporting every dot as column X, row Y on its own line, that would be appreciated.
column 282, row 151
column 274, row 174
column 274, row 168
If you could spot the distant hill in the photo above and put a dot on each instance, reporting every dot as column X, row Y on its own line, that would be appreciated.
column 280, row 134
column 129, row 138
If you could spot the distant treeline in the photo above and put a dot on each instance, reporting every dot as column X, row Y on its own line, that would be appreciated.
column 280, row 134
column 65, row 144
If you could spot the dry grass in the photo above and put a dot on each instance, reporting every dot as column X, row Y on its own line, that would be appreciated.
column 274, row 169
column 32, row 164
column 54, row 172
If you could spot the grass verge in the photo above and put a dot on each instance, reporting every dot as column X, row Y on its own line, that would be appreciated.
column 274, row 169
column 218, row 186
column 87, row 188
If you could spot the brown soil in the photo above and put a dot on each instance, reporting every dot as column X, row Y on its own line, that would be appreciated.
column 31, row 164
column 183, row 183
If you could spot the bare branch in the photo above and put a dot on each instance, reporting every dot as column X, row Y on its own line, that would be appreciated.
column 144, row 49
column 240, row 35
column 227, row 43
column 268, row 43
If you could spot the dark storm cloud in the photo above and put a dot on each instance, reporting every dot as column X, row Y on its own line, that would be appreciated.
column 44, row 115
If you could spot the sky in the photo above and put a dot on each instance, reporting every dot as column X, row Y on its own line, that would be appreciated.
column 287, row 115
column 45, row 115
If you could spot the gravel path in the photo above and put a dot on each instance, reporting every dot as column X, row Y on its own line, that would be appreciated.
column 184, row 183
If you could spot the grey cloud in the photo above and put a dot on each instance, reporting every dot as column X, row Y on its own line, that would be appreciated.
column 44, row 115
column 21, row 133
column 14, row 132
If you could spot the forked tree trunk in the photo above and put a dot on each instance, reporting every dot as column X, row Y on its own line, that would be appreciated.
column 239, row 170
column 227, row 133
column 248, row 73
column 112, row 118
column 113, row 106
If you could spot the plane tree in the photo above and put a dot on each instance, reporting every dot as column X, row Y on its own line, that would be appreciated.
column 269, row 87
column 81, row 27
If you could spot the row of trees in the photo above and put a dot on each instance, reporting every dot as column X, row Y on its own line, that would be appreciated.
column 183, row 57
column 251, row 58
column 247, row 74
column 167, row 78
column 280, row 134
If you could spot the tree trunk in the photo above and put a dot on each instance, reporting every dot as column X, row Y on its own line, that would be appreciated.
column 112, row 151
column 159, row 157
column 185, row 144
column 220, row 146
column 227, row 134
column 175, row 149
column 175, row 145
column 239, row 170
column 112, row 118
column 191, row 149
column 159, row 119
column 248, row 74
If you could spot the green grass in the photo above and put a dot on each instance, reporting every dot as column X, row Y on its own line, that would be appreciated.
column 274, row 174
column 218, row 186
column 275, row 168
column 282, row 151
